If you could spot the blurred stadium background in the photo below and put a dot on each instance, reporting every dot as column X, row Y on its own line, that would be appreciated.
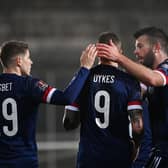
column 57, row 31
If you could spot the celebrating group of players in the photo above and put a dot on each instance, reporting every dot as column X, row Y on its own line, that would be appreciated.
column 122, row 124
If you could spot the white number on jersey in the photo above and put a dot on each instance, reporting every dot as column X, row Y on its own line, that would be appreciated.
column 103, row 109
column 12, row 117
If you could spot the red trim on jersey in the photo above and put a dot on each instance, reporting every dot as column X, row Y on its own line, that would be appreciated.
column 47, row 91
column 134, row 103
column 75, row 105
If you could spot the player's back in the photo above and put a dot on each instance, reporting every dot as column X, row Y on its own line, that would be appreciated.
column 104, row 136
column 18, row 113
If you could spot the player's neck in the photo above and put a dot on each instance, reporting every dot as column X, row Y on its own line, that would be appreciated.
column 114, row 64
column 107, row 62
column 12, row 71
column 159, row 59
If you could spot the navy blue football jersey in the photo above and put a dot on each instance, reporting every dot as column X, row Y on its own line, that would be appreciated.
column 158, row 108
column 105, row 131
column 19, row 101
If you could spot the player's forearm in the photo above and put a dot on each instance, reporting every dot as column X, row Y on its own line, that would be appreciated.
column 137, row 130
column 72, row 91
column 137, row 137
column 136, row 120
column 141, row 72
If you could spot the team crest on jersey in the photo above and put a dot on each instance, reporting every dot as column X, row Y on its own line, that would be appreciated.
column 42, row 85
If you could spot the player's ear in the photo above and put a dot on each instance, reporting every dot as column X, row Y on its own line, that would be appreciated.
column 111, row 42
column 156, row 47
column 18, row 60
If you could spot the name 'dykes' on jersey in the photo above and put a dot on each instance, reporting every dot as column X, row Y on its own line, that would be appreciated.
column 97, row 78
column 5, row 87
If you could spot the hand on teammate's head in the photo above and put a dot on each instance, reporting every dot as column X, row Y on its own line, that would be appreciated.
column 88, row 56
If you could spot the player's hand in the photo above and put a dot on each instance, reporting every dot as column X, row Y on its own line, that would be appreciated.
column 110, row 51
column 88, row 56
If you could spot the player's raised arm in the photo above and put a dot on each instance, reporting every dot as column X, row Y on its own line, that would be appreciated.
column 144, row 74
column 71, row 92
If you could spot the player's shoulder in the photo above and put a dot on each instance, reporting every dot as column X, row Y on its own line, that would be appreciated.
column 164, row 65
column 14, row 77
column 128, row 78
column 27, row 82
column 125, row 75
column 26, row 79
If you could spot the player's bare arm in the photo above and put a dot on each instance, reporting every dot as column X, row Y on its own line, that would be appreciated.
column 137, row 130
column 137, row 125
column 144, row 74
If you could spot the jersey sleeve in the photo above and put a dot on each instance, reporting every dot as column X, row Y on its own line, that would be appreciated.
column 72, row 107
column 163, row 71
column 42, row 92
column 135, row 102
column 72, row 91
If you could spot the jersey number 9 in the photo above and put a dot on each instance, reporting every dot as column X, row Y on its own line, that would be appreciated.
column 12, row 117
column 103, row 108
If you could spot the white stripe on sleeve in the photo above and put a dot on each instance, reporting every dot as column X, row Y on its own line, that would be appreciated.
column 134, row 107
column 48, row 99
column 162, row 75
column 73, row 108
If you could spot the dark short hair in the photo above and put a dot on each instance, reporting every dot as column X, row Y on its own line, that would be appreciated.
column 105, row 37
column 10, row 49
column 155, row 35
